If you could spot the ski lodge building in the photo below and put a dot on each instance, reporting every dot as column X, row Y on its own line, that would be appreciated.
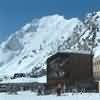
column 96, row 70
column 71, row 69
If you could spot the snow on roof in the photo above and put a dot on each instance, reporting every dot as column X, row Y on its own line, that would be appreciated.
column 26, row 80
column 75, row 51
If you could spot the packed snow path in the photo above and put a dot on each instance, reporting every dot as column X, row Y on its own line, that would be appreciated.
column 31, row 96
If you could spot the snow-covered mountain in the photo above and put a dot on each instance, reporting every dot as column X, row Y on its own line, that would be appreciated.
column 30, row 46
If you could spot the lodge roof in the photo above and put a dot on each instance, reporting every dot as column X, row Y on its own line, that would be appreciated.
column 67, row 53
column 75, row 51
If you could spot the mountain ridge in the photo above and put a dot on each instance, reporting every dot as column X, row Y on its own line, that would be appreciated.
column 30, row 46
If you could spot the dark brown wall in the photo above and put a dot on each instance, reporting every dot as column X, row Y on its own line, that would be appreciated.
column 76, row 67
column 79, row 68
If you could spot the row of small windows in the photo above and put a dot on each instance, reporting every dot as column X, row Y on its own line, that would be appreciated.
column 96, row 68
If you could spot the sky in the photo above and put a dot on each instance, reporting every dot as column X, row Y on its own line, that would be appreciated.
column 16, row 13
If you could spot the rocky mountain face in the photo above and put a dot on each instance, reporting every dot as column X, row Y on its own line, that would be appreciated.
column 28, row 48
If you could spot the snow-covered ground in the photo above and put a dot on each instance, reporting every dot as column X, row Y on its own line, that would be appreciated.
column 32, row 96
column 42, row 79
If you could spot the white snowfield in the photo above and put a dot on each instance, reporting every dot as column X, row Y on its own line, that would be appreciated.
column 32, row 96
column 42, row 79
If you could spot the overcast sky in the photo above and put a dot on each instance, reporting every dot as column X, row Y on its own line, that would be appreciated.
column 15, row 13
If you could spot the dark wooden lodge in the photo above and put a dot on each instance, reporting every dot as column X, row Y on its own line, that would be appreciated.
column 72, row 70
